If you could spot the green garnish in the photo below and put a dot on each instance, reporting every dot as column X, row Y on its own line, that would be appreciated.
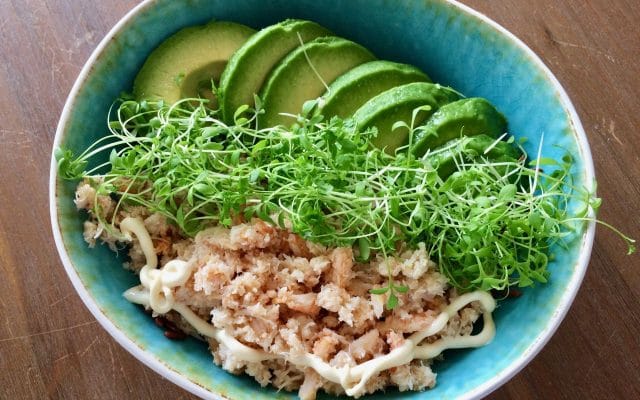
column 489, row 226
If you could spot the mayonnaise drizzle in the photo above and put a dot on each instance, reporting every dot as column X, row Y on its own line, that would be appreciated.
column 156, row 292
column 157, row 287
column 140, row 295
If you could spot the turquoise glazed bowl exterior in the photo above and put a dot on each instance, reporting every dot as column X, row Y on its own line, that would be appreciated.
column 456, row 46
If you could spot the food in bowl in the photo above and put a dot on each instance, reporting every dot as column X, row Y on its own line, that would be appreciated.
column 295, row 314
column 302, row 252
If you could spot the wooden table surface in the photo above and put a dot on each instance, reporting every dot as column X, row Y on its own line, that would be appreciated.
column 52, row 347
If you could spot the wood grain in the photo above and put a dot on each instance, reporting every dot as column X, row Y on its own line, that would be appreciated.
column 51, row 347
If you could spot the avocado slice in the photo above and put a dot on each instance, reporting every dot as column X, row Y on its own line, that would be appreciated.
column 350, row 91
column 296, row 79
column 184, row 64
column 466, row 117
column 398, row 104
column 250, row 65
column 469, row 148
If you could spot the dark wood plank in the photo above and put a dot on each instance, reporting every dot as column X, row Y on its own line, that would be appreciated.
column 51, row 347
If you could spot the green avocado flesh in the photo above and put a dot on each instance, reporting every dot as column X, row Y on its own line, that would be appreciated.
column 466, row 117
column 295, row 81
column 250, row 65
column 398, row 104
column 185, row 64
column 351, row 90
column 445, row 159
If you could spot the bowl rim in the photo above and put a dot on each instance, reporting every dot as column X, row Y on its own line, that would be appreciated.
column 166, row 371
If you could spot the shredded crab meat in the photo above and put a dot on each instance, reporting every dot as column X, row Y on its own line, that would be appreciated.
column 297, row 315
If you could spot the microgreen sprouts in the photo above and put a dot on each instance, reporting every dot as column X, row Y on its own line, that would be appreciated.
column 490, row 225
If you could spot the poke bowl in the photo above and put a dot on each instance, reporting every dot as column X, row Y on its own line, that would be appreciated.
column 457, row 47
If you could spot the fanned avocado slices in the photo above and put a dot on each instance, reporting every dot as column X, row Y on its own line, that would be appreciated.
column 398, row 104
column 466, row 117
column 299, row 76
column 351, row 90
column 251, row 64
column 185, row 64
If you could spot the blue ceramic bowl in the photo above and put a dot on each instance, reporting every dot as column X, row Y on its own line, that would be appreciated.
column 456, row 46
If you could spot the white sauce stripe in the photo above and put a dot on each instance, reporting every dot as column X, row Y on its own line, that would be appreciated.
column 136, row 226
column 156, row 292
